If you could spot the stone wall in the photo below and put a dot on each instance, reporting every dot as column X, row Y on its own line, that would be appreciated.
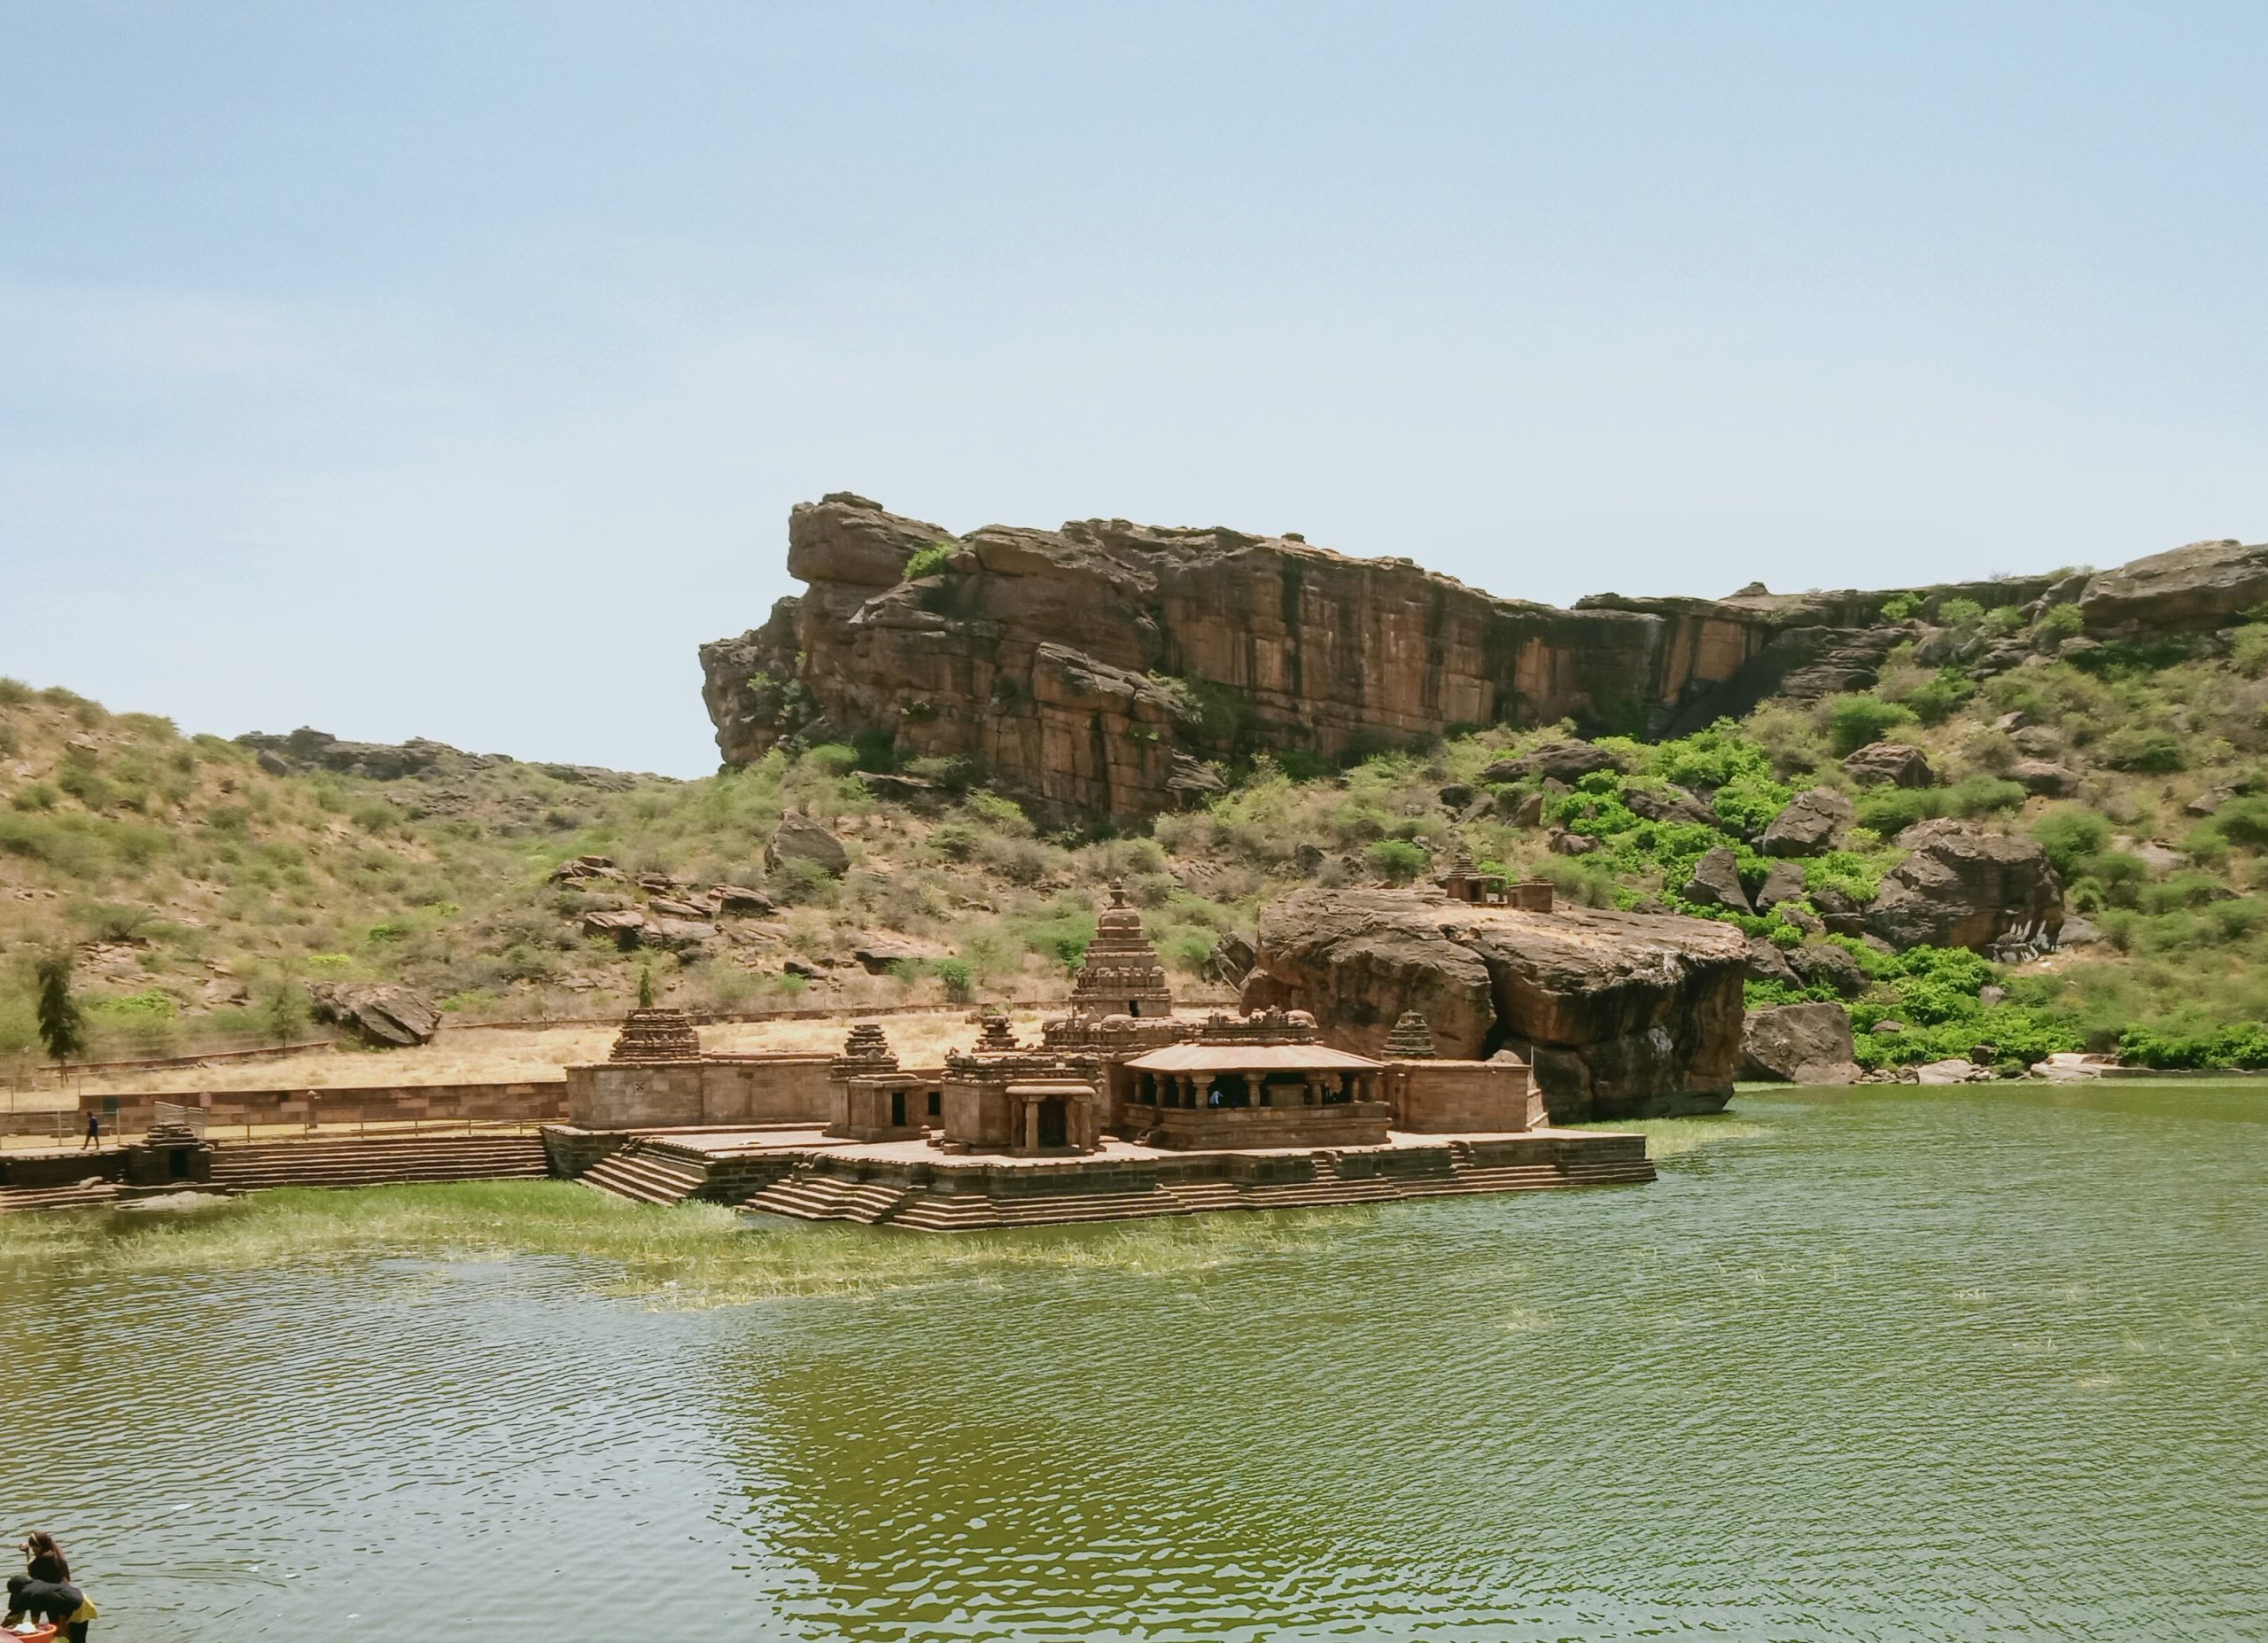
column 527, row 1101
column 716, row 1090
column 1445, row 1097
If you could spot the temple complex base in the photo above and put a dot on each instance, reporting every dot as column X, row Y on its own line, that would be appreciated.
column 801, row 1173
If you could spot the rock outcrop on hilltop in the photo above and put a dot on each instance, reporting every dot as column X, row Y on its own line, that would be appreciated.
column 1096, row 669
column 1622, row 1015
column 2205, row 585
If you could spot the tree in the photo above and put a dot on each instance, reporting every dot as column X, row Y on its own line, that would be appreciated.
column 62, row 1028
column 645, row 986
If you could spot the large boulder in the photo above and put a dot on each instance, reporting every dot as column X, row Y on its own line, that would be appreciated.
column 381, row 1013
column 2206, row 585
column 1890, row 763
column 1960, row 886
column 1824, row 964
column 1767, row 962
column 1669, row 803
column 1621, row 1013
column 804, row 839
column 1565, row 762
column 1716, row 881
column 1812, row 823
column 1230, row 961
column 1798, row 1044
column 1783, row 880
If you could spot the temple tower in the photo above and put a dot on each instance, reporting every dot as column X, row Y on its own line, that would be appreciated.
column 1121, row 976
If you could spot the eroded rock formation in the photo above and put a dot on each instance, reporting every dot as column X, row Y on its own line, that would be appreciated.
column 1621, row 1014
column 1097, row 668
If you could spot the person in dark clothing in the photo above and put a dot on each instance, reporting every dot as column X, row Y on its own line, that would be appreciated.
column 43, row 1560
column 44, row 1592
column 93, row 1132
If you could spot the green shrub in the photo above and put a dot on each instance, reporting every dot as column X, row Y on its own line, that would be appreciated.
column 2059, row 622
column 958, row 977
column 1854, row 720
column 1061, row 932
column 1397, row 860
column 1003, row 814
column 1711, row 758
column 801, row 884
column 2147, row 752
column 1900, row 607
column 2071, row 836
column 1941, row 697
column 830, row 758
column 2248, row 649
column 2243, row 821
column 928, row 561
column 956, row 841
column 1982, row 795
column 1888, row 811
column 1750, row 801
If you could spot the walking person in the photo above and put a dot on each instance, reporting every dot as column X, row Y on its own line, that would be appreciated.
column 93, row 1132
column 44, row 1592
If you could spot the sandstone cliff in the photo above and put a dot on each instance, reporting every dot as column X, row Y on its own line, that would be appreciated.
column 1096, row 669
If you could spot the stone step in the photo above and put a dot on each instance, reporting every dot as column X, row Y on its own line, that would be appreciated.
column 809, row 1196
column 648, row 1174
column 334, row 1163
column 24, row 1200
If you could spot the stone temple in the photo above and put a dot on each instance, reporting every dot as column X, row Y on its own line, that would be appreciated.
column 1125, row 1107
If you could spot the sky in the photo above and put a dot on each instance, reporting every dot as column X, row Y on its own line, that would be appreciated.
column 450, row 370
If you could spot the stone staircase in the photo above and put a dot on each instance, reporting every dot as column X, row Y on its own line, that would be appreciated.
column 23, row 1200
column 649, row 1173
column 376, row 1161
column 808, row 1196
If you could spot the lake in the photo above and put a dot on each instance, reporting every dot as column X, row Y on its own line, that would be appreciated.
column 1983, row 1362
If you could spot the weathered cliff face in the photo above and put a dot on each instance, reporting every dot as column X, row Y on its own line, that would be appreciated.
column 1622, row 1015
column 1095, row 668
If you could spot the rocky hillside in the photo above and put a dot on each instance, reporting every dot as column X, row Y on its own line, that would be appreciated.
column 1106, row 671
column 2018, row 828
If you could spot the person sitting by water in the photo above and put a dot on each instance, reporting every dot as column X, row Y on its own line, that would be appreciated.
column 44, row 1592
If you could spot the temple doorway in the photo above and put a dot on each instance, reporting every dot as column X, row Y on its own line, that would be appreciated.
column 1053, row 1123
column 897, row 1110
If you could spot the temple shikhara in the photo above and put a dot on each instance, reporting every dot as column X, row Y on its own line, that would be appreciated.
column 1123, row 1106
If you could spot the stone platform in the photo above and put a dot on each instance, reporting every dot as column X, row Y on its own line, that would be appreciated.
column 799, row 1173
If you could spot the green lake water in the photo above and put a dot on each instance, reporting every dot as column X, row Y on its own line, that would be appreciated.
column 1886, row 1363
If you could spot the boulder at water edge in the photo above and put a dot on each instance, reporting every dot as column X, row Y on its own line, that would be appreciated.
column 1798, row 1044
column 1622, row 1015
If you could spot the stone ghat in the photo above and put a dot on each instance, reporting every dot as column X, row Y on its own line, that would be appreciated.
column 786, row 1176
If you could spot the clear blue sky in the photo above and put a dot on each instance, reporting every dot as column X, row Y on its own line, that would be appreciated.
column 450, row 369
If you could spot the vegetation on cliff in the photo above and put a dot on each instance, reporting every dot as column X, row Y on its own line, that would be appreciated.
column 204, row 886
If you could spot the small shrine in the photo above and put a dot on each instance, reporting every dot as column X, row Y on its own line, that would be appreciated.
column 655, row 1033
column 870, row 1098
column 1023, row 1100
column 1466, row 881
